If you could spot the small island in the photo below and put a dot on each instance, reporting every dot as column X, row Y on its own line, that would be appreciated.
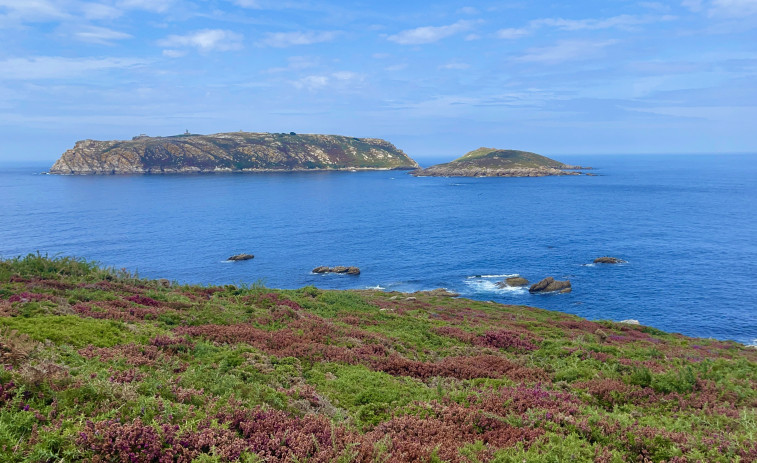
column 231, row 152
column 492, row 162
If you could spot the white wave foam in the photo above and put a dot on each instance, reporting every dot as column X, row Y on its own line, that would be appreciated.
column 377, row 287
column 493, row 276
column 486, row 286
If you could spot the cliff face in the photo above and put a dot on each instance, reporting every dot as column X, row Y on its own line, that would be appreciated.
column 230, row 152
column 490, row 162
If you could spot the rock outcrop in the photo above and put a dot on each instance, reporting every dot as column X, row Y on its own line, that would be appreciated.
column 549, row 285
column 438, row 292
column 337, row 269
column 491, row 162
column 512, row 282
column 241, row 257
column 231, row 152
column 608, row 260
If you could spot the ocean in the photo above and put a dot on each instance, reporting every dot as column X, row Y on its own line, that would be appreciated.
column 686, row 225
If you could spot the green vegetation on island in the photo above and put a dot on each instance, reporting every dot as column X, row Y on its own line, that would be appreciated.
column 100, row 365
column 492, row 162
column 230, row 152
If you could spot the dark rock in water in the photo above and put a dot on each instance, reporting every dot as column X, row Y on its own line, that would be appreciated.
column 438, row 292
column 241, row 257
column 512, row 282
column 608, row 260
column 338, row 269
column 549, row 285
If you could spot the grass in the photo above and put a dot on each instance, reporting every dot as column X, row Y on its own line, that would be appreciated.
column 99, row 364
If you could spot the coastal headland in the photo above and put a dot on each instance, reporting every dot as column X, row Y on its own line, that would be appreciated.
column 100, row 364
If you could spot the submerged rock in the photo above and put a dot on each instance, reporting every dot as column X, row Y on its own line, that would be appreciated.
column 241, row 257
column 512, row 282
column 549, row 285
column 608, row 260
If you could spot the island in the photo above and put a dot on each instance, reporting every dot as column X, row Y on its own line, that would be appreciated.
column 492, row 162
column 231, row 152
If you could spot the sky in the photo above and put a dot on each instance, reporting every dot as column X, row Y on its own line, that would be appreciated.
column 437, row 79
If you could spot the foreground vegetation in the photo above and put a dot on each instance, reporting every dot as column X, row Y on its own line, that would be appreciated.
column 99, row 365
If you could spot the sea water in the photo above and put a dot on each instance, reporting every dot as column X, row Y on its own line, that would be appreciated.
column 686, row 225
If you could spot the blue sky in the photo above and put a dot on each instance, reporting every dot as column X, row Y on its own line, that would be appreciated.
column 435, row 78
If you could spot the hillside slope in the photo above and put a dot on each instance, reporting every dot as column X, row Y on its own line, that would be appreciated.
column 100, row 365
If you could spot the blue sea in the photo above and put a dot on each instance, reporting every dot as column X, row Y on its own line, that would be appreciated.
column 687, row 226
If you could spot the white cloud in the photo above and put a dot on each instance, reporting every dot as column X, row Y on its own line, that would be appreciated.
column 99, row 11
column 615, row 22
column 296, row 63
column 566, row 50
column 621, row 21
column 468, row 10
column 396, row 67
column 513, row 33
column 733, row 8
column 157, row 6
column 100, row 35
column 430, row 34
column 174, row 53
column 31, row 11
column 288, row 39
column 339, row 79
column 455, row 66
column 57, row 67
column 205, row 40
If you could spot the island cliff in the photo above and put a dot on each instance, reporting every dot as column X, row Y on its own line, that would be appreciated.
column 231, row 152
column 491, row 162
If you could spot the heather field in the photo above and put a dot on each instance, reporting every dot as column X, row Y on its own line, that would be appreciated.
column 99, row 365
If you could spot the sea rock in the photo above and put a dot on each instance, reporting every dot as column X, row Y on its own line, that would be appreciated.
column 337, row 269
column 512, row 282
column 438, row 292
column 608, row 260
column 231, row 152
column 241, row 257
column 549, row 285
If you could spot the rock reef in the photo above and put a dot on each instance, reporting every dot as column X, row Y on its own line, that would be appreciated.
column 492, row 162
column 231, row 152
column 337, row 269
column 549, row 285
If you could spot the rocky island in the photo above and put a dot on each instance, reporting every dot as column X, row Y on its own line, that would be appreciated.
column 492, row 162
column 231, row 152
